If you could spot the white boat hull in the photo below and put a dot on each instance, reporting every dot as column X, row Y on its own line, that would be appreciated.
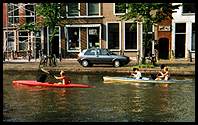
column 128, row 79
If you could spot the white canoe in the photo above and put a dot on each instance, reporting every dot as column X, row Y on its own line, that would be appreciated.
column 143, row 80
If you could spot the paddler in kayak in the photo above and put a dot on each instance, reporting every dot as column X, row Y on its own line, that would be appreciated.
column 159, row 75
column 136, row 73
column 63, row 77
column 165, row 75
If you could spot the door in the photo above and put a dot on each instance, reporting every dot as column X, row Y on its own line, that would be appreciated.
column 55, row 46
column 163, row 48
column 180, row 46
column 104, row 57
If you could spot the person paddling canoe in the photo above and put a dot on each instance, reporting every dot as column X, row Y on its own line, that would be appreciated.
column 63, row 77
column 165, row 75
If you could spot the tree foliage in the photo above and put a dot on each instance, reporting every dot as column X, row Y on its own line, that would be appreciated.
column 148, row 12
column 50, row 15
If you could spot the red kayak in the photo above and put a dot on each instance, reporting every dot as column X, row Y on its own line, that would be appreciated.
column 47, row 84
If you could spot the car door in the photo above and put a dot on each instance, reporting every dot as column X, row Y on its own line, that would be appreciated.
column 104, row 57
column 90, row 55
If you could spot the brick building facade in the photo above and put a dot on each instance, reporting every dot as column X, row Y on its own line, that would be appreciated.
column 95, row 25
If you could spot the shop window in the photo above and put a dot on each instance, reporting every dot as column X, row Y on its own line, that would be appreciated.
column 130, row 36
column 73, row 35
column 113, row 35
column 93, row 37
column 93, row 9
column 73, row 9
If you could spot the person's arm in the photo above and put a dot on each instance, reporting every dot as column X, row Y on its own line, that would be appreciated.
column 132, row 74
column 59, row 78
column 166, row 73
column 160, row 75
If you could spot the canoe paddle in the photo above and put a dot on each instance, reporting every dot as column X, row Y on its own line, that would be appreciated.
column 45, row 71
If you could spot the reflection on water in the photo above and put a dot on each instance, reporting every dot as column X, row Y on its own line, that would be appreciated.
column 107, row 102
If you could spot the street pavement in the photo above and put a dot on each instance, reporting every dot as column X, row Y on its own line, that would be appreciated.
column 176, row 67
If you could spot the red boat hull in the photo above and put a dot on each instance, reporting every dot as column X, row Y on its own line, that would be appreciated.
column 47, row 84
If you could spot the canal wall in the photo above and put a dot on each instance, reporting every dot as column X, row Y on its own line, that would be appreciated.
column 72, row 66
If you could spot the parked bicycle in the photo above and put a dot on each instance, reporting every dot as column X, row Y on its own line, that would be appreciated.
column 48, row 60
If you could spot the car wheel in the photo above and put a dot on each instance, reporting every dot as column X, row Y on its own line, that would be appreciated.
column 85, row 63
column 116, row 63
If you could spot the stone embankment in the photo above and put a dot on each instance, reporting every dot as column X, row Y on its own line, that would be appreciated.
column 177, row 67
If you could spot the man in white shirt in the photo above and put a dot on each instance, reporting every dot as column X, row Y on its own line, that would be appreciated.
column 136, row 73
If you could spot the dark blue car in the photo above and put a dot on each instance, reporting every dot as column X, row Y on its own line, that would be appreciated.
column 88, row 57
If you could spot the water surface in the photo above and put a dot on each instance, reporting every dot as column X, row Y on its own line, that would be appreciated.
column 107, row 102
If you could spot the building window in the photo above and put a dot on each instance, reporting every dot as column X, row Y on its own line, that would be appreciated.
column 180, row 38
column 193, row 37
column 29, row 10
column 13, row 21
column 23, row 41
column 73, row 9
column 130, row 36
column 29, row 13
column 113, row 35
column 93, row 9
column 13, row 9
column 38, row 43
column 147, row 38
column 13, row 14
column 73, row 35
column 93, row 37
column 119, row 8
column 189, row 7
column 29, row 19
column 10, row 42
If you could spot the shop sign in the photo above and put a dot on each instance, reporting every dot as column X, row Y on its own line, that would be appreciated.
column 92, row 31
column 164, row 28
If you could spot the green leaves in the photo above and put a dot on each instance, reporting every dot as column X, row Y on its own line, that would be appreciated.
column 50, row 13
column 148, row 12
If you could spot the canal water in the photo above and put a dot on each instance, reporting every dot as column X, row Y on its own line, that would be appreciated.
column 108, row 102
